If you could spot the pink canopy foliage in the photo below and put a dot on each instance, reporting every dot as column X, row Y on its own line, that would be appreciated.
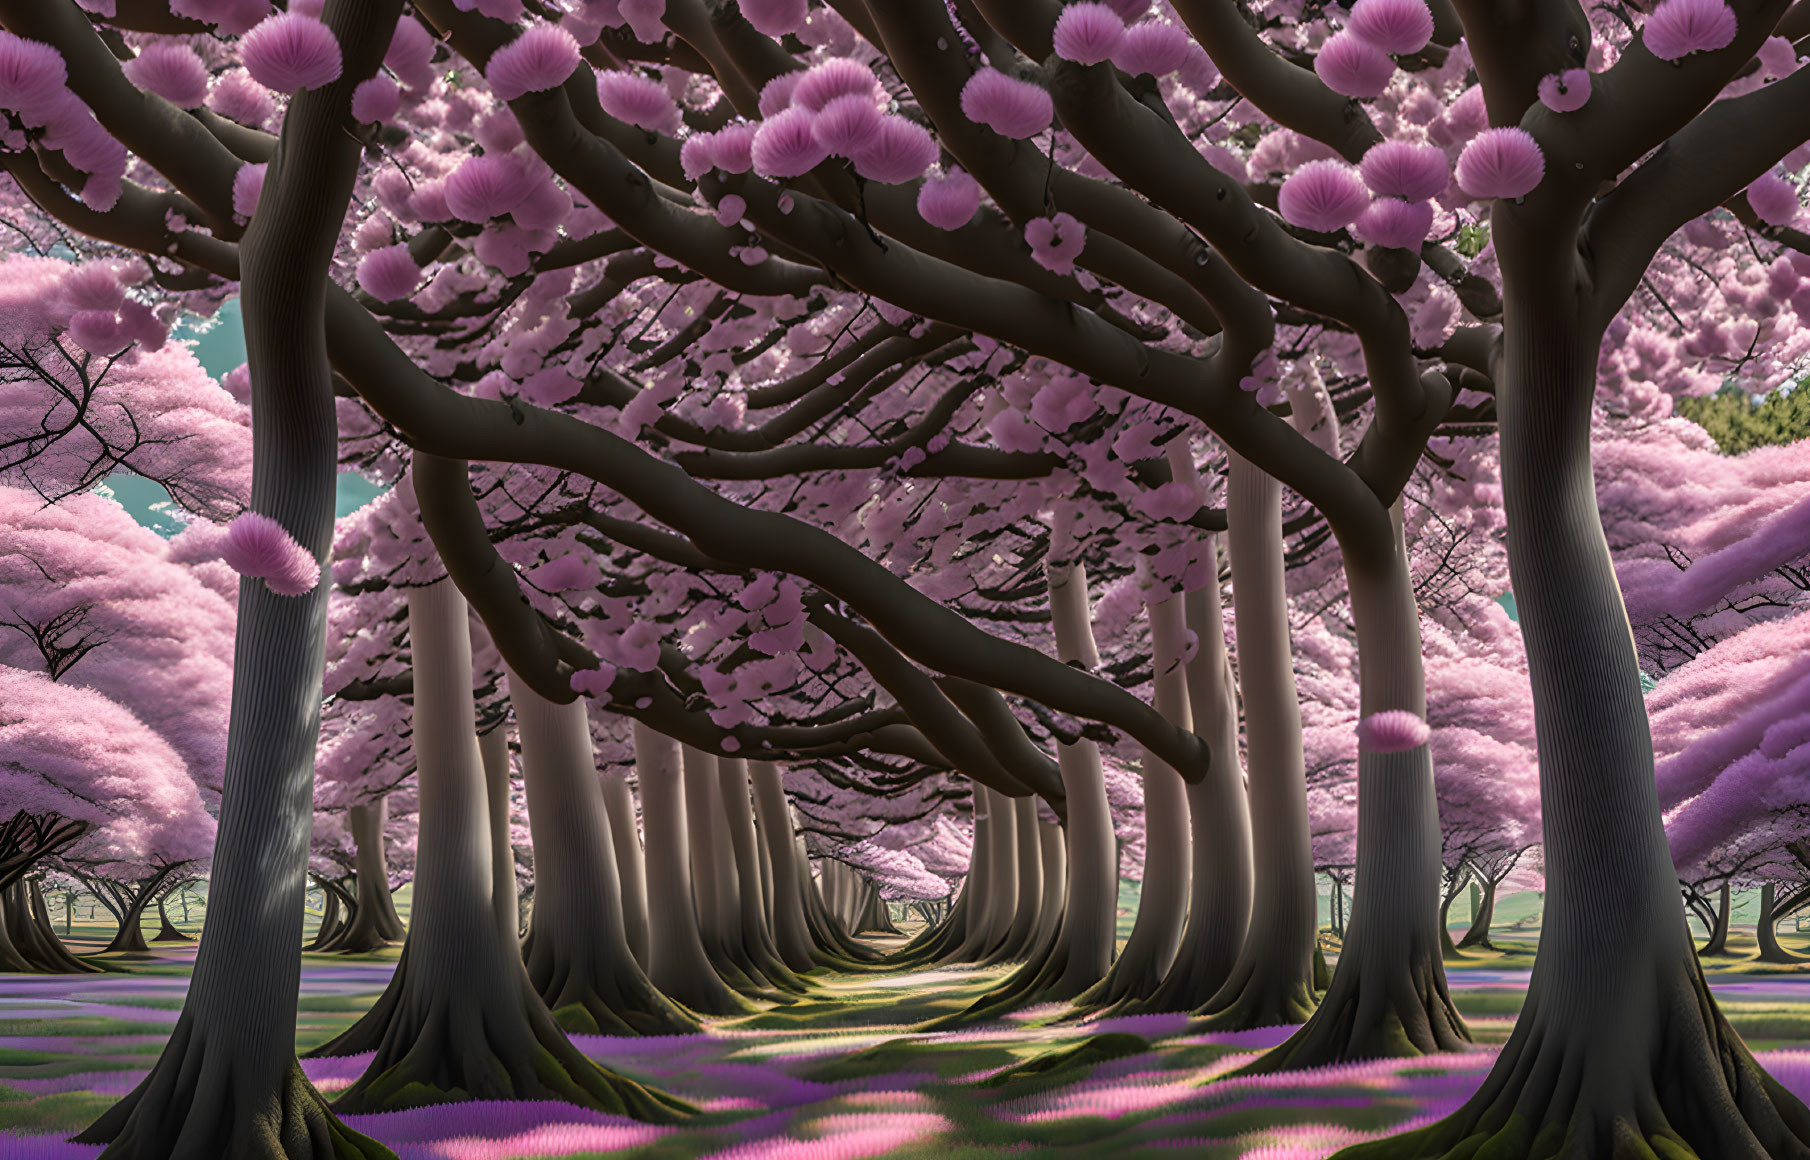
column 172, row 71
column 542, row 57
column 289, row 52
column 74, row 752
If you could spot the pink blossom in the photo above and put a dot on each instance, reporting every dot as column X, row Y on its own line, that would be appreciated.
column 1398, row 27
column 1006, row 105
column 485, row 187
column 248, row 184
column 1088, row 32
column 550, row 386
column 639, row 100
column 259, row 547
column 595, row 682
column 774, row 17
column 1501, row 163
column 836, row 77
column 91, row 286
column 731, row 209
column 949, row 202
column 377, row 99
column 1565, row 92
column 1175, row 500
column 428, row 201
column 289, row 52
column 1465, row 118
column 639, row 647
column 31, row 75
column 1390, row 221
column 846, row 124
column 1056, row 242
column 1678, row 28
column 1774, row 199
column 541, row 58
column 411, row 54
column 1392, row 731
column 546, row 207
column 389, row 274
column 785, row 146
column 1352, row 66
column 1405, row 170
column 1322, row 196
column 237, row 97
column 1155, row 47
column 568, row 573
column 646, row 19
column 1778, row 57
column 170, row 70
column 899, row 150
column 776, row 94
column 96, row 331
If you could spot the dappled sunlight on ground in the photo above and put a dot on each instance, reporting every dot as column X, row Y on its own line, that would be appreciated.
column 840, row 1075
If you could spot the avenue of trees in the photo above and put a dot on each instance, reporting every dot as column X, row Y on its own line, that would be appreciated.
column 957, row 452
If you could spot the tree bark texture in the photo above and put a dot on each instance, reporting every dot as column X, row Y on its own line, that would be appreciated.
column 791, row 931
column 375, row 923
column 460, row 1018
column 227, row 1082
column 577, row 951
column 631, row 866
column 1620, row 1049
column 1272, row 981
column 677, row 961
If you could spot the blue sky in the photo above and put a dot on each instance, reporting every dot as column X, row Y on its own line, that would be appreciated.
column 220, row 345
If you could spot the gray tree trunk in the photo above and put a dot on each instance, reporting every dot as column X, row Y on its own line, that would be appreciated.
column 677, row 962
column 374, row 923
column 631, row 867
column 1163, row 902
column 791, row 930
column 227, row 1082
column 1620, row 1043
column 744, row 846
column 577, row 952
column 1272, row 981
column 460, row 1018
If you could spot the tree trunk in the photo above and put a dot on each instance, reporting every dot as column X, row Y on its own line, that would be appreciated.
column 1163, row 902
column 631, row 868
column 1718, row 935
column 676, row 961
column 791, row 931
column 1026, row 908
column 1219, row 820
column 167, row 931
column 1080, row 953
column 375, row 923
column 577, row 952
column 28, row 944
column 744, row 846
column 978, row 889
column 1478, row 934
column 1055, row 884
column 717, row 889
column 1272, row 981
column 227, row 1082
column 1388, row 995
column 134, row 898
column 1620, row 1048
column 1448, row 950
column 331, row 926
column 460, row 1018
column 1767, row 929
column 493, row 755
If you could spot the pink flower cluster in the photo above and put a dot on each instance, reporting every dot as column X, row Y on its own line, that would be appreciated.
column 834, row 109
column 1357, row 61
column 257, row 546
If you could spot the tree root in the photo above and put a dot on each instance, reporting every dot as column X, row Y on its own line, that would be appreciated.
column 1679, row 1086
column 1259, row 998
column 198, row 1102
column 448, row 1052
column 1400, row 1014
column 597, row 1002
